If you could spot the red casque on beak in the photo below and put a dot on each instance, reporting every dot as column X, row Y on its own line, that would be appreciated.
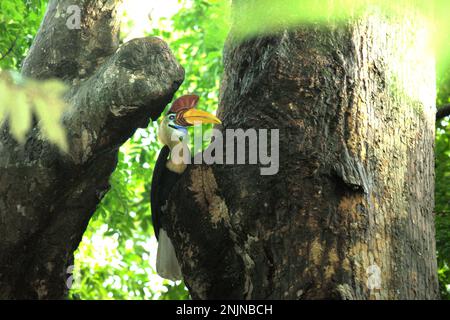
column 187, row 115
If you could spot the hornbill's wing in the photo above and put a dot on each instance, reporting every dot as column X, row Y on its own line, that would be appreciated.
column 162, row 183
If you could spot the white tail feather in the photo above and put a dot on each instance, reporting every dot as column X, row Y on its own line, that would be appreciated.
column 166, row 261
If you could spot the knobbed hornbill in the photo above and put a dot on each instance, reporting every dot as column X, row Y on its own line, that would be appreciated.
column 171, row 132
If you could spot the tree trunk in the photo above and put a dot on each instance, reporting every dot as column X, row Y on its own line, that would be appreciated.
column 350, row 213
column 46, row 197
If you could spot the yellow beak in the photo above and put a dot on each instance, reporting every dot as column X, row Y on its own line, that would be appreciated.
column 194, row 116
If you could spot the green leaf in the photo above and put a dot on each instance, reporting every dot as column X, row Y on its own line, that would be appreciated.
column 19, row 115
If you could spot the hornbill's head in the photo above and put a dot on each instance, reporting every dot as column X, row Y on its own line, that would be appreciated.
column 182, row 114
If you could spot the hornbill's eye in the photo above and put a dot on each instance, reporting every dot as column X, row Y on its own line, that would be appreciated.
column 172, row 117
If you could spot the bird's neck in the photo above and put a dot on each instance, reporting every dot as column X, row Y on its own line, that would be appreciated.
column 178, row 153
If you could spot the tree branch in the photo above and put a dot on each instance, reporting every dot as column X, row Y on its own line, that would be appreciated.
column 47, row 198
column 10, row 49
column 132, row 86
column 114, row 91
column 70, row 53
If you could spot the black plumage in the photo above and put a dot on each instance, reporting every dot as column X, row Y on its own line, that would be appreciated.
column 162, row 183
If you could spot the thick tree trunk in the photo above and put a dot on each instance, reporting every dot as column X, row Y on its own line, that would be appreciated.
column 47, row 198
column 350, row 213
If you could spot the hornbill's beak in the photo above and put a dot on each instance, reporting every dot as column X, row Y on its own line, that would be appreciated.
column 194, row 116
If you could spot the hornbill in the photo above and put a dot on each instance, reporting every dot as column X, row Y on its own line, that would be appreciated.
column 171, row 132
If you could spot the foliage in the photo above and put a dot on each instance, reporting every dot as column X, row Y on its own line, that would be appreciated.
column 116, row 258
column 443, row 205
column 19, row 21
column 442, row 193
column 268, row 16
column 20, row 98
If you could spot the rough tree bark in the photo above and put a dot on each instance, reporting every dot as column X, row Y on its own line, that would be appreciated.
column 350, row 213
column 46, row 197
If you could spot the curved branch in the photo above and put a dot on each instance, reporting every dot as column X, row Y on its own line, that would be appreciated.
column 47, row 198
column 132, row 86
column 10, row 49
